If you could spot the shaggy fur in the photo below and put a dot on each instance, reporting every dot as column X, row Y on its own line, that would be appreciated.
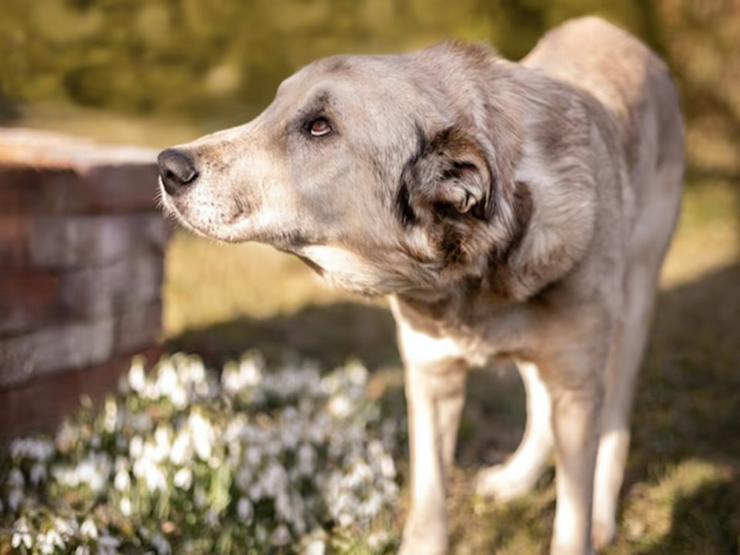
column 511, row 210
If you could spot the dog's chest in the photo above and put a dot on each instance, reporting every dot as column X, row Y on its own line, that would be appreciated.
column 468, row 336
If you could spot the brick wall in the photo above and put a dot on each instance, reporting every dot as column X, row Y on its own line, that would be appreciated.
column 81, row 254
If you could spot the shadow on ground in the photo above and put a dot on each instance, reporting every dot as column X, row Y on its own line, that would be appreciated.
column 328, row 334
column 687, row 409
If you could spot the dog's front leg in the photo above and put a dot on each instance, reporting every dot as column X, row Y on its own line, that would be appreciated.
column 435, row 393
column 576, row 388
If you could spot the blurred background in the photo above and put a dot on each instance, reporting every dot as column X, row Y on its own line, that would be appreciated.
column 161, row 72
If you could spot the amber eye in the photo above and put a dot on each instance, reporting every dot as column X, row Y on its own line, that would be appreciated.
column 319, row 127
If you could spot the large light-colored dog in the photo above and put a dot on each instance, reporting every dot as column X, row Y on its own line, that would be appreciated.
column 511, row 210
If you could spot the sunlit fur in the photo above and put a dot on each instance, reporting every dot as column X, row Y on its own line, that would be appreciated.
column 516, row 210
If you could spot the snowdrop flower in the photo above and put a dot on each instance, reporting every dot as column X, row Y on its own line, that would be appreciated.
column 136, row 447
column 82, row 550
column 245, row 510
column 387, row 466
column 280, row 536
column 122, row 480
column 202, row 435
column 108, row 545
column 183, row 478
column 200, row 498
column 21, row 534
column 29, row 448
column 315, row 547
column 111, row 418
column 148, row 470
column 136, row 376
column 356, row 373
column 274, row 478
column 88, row 529
column 15, row 478
column 377, row 539
column 38, row 473
column 181, row 449
column 306, row 459
column 161, row 545
column 125, row 506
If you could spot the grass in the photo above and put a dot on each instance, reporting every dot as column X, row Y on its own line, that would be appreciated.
column 682, row 490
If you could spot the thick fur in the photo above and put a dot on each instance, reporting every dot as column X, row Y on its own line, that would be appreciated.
column 511, row 210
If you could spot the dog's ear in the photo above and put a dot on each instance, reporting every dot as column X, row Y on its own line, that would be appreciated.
column 450, row 175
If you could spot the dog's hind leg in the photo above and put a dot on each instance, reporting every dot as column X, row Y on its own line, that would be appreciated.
column 521, row 471
column 624, row 367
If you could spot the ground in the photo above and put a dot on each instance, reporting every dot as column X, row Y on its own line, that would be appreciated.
column 682, row 488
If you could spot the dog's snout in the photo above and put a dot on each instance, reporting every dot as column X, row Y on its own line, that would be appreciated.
column 177, row 170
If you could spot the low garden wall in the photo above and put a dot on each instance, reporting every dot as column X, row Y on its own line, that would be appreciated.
column 82, row 248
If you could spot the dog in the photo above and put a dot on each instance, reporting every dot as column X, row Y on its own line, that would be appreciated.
column 515, row 211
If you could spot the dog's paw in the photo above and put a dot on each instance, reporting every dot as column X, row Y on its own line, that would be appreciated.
column 603, row 533
column 502, row 483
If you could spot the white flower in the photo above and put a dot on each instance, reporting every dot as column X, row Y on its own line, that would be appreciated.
column 387, row 468
column 315, row 547
column 88, row 529
column 136, row 376
column 30, row 448
column 357, row 373
column 82, row 550
column 21, row 534
column 110, row 420
column 280, row 536
column 108, row 545
column 340, row 406
column 245, row 510
column 125, row 506
column 161, row 544
column 148, row 470
column 38, row 473
column 183, row 478
column 306, row 459
column 122, row 480
column 181, row 449
column 15, row 499
column 377, row 539
column 202, row 435
column 15, row 478
column 136, row 447
column 274, row 479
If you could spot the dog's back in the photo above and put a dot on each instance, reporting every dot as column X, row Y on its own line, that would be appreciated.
column 635, row 87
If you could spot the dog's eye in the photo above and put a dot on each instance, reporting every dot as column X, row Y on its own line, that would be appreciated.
column 319, row 127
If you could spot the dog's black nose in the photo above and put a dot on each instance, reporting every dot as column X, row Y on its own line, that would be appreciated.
column 177, row 170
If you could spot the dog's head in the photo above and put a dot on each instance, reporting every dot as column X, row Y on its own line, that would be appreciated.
column 386, row 174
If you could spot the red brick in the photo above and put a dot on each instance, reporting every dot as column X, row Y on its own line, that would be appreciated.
column 103, row 290
column 76, row 344
column 15, row 231
column 43, row 172
column 40, row 405
column 62, row 347
column 110, row 189
column 74, row 241
column 28, row 299
column 139, row 327
column 35, row 298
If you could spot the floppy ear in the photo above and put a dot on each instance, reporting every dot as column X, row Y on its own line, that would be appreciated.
column 450, row 175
